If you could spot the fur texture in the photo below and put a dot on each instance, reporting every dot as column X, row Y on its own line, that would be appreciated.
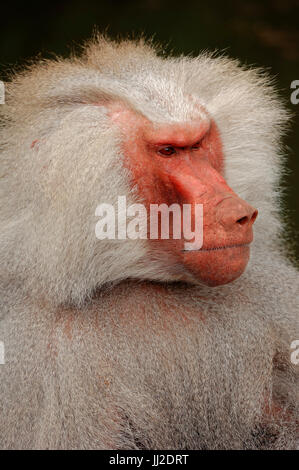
column 95, row 359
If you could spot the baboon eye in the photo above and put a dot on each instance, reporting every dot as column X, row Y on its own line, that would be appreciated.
column 167, row 151
column 196, row 146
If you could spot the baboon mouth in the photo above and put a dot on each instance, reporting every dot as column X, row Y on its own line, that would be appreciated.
column 217, row 248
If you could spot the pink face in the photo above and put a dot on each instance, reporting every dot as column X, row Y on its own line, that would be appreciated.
column 183, row 164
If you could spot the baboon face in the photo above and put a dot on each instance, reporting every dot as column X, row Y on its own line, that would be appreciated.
column 183, row 163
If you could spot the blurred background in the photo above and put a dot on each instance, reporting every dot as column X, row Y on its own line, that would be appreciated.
column 262, row 33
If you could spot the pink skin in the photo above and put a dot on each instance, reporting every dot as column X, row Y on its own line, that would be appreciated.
column 183, row 163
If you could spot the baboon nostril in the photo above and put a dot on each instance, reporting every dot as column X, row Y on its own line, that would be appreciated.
column 243, row 220
column 248, row 218
column 254, row 216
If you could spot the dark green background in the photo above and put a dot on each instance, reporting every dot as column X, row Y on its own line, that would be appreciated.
column 258, row 32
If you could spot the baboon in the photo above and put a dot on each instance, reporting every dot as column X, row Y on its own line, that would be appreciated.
column 139, row 343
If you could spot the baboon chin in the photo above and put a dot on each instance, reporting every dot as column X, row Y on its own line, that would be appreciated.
column 153, row 341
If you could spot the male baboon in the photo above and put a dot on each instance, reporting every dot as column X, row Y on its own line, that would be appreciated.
column 139, row 343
